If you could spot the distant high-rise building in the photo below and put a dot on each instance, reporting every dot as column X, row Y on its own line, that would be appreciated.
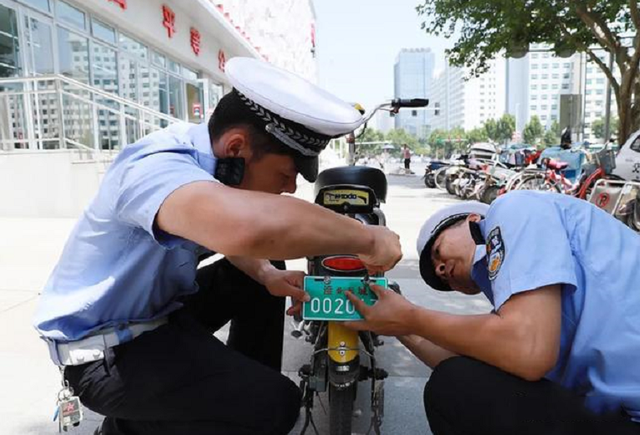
column 462, row 101
column 413, row 75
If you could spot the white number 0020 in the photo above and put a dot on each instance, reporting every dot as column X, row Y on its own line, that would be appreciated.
column 339, row 306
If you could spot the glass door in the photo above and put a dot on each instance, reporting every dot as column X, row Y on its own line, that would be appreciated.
column 13, row 116
column 195, row 102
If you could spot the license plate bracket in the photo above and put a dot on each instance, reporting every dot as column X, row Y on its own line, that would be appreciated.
column 328, row 298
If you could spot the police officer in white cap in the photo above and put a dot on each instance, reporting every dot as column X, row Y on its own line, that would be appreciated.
column 559, row 352
column 128, row 314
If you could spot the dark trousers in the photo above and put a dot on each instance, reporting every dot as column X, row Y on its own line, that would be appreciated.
column 407, row 163
column 179, row 379
column 467, row 397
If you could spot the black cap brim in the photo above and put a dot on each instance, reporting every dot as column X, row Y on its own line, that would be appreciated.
column 307, row 167
column 427, row 269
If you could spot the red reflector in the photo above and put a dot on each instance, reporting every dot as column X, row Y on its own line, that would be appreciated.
column 343, row 264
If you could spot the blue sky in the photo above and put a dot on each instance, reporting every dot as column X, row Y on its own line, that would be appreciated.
column 358, row 41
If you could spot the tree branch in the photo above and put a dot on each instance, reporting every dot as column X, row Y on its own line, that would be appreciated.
column 614, row 83
column 597, row 26
column 635, row 14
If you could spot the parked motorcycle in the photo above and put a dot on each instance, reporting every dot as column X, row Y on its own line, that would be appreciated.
column 430, row 171
column 338, row 360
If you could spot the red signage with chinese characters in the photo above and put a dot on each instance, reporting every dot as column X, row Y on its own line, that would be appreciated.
column 169, row 20
column 121, row 3
column 195, row 41
column 222, row 59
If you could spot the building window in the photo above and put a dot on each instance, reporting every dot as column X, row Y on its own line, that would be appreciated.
column 554, row 86
column 534, row 97
column 71, row 15
column 554, row 117
column 600, row 81
column 555, row 76
column 554, row 107
column 544, row 107
column 158, row 59
column 545, row 66
column 73, row 52
column 599, row 91
column 134, row 47
column 545, row 76
column 534, row 55
column 544, row 86
column 588, row 91
column 567, row 64
column 566, row 75
column 534, row 66
column 545, row 96
column 534, row 87
column 587, row 114
column 556, row 65
column 104, row 32
column 40, row 4
column 543, row 117
column 534, row 76
column 534, row 107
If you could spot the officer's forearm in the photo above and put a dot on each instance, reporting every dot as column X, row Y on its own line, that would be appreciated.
column 253, row 224
column 488, row 338
column 255, row 268
column 425, row 351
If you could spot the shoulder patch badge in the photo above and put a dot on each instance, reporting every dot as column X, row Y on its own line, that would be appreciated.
column 495, row 252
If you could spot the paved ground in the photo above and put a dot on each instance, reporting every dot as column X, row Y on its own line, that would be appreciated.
column 29, row 249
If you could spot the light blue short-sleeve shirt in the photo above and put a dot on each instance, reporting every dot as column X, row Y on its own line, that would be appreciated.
column 116, row 267
column 536, row 239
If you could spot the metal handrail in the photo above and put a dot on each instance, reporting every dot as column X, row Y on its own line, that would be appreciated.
column 98, row 101
column 88, row 88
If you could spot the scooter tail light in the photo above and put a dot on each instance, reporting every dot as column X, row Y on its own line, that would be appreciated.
column 343, row 264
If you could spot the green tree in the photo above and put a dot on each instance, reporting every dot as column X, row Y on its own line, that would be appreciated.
column 550, row 138
column 370, row 135
column 555, row 128
column 458, row 139
column 597, row 127
column 437, row 141
column 485, row 29
column 491, row 127
column 533, row 131
column 399, row 137
column 478, row 134
column 505, row 127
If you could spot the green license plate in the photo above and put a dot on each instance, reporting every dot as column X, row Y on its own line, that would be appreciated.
column 328, row 299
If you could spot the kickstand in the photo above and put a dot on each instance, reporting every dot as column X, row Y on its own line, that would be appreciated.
column 307, row 400
column 308, row 419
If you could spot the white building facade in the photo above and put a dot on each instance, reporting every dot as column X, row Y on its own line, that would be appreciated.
column 79, row 79
column 467, row 102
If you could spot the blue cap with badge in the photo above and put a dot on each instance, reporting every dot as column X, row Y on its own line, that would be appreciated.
column 296, row 112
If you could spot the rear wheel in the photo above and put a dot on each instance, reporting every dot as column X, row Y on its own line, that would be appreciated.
column 429, row 181
column 341, row 409
column 540, row 183
column 440, row 178
column 449, row 186
column 489, row 194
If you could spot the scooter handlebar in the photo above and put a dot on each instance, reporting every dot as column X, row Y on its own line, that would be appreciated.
column 412, row 102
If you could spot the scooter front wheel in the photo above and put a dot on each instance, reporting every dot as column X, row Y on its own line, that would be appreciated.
column 341, row 409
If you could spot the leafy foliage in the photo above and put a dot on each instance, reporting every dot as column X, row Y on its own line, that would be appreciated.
column 486, row 29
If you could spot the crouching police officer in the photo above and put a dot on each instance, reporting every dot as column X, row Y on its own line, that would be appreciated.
column 127, row 313
column 559, row 352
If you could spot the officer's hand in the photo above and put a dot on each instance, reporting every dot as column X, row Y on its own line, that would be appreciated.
column 386, row 251
column 285, row 283
column 294, row 309
column 386, row 317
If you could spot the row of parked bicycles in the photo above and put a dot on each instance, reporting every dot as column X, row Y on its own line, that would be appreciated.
column 590, row 176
